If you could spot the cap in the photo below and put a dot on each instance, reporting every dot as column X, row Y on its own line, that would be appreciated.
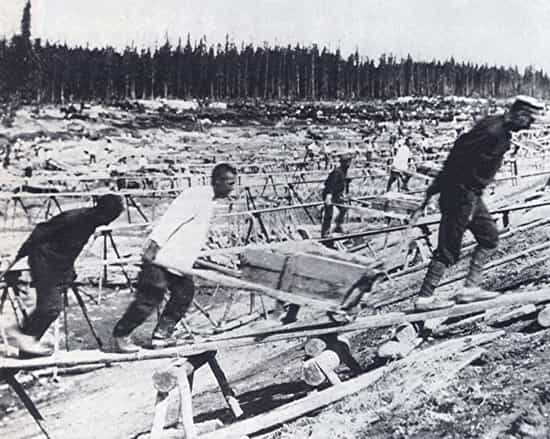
column 526, row 103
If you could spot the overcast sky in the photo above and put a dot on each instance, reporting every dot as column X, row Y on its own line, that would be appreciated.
column 508, row 32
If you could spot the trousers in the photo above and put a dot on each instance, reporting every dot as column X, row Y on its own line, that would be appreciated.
column 51, row 286
column 327, row 218
column 153, row 283
column 462, row 209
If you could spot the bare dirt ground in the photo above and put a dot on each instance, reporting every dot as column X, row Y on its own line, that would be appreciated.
column 501, row 395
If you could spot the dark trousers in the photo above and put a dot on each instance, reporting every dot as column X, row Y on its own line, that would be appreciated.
column 402, row 180
column 462, row 209
column 51, row 286
column 327, row 218
column 49, row 303
column 153, row 282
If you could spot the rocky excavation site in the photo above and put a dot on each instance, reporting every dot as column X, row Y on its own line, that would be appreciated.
column 241, row 369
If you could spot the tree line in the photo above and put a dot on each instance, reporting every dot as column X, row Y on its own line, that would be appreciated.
column 43, row 72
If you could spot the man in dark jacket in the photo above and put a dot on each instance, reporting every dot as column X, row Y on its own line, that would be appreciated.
column 333, row 192
column 470, row 166
column 52, row 249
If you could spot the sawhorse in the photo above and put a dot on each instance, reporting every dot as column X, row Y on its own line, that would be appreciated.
column 178, row 377
column 107, row 236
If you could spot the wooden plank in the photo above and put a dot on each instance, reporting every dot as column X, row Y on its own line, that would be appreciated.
column 443, row 329
column 394, row 318
column 288, row 332
column 501, row 316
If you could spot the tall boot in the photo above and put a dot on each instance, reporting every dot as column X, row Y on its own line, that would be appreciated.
column 427, row 301
column 479, row 257
column 182, row 292
column 433, row 276
column 472, row 291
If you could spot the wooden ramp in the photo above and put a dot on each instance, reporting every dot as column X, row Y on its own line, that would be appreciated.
column 73, row 358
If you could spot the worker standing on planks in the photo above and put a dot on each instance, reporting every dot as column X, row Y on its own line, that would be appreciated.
column 175, row 241
column 52, row 249
column 336, row 185
column 471, row 165
column 400, row 167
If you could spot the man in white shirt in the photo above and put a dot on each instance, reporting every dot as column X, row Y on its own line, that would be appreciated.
column 400, row 166
column 174, row 244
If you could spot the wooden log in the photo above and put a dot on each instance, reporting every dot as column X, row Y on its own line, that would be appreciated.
column 501, row 316
column 320, row 368
column 328, row 368
column 314, row 346
column 165, row 378
column 543, row 317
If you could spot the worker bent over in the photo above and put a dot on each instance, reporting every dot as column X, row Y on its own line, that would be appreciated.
column 470, row 166
column 52, row 249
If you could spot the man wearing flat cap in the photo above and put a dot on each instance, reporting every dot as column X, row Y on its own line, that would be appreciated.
column 471, row 165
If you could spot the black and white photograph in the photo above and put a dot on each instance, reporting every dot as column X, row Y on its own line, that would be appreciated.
column 274, row 219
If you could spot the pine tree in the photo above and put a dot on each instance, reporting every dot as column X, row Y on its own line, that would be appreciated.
column 26, row 22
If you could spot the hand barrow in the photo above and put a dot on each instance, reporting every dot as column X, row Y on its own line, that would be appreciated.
column 310, row 270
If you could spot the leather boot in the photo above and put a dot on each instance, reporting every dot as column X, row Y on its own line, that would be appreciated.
column 427, row 301
column 125, row 345
column 28, row 345
column 472, row 291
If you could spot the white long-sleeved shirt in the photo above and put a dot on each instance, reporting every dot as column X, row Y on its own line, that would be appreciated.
column 401, row 158
column 182, row 231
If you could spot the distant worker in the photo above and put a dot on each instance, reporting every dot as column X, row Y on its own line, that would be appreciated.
column 52, row 249
column 470, row 167
column 400, row 167
column 369, row 151
column 336, row 185
column 176, row 241
column 323, row 152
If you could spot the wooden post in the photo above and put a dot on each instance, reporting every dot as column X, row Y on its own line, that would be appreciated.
column 161, row 407
column 186, row 407
column 226, row 389
column 178, row 374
